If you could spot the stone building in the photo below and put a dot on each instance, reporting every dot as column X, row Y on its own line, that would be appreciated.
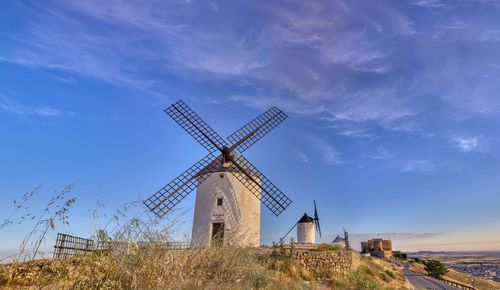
column 377, row 248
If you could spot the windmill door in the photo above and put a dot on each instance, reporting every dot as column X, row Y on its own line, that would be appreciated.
column 217, row 234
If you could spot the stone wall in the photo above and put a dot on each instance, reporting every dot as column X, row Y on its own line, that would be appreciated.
column 342, row 261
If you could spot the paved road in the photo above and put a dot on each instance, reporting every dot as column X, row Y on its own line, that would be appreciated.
column 419, row 281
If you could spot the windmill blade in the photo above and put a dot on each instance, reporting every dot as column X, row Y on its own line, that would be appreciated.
column 273, row 198
column 195, row 126
column 254, row 130
column 170, row 195
column 316, row 219
column 318, row 228
column 283, row 238
column 315, row 211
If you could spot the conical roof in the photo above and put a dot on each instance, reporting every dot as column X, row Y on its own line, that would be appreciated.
column 306, row 219
column 338, row 239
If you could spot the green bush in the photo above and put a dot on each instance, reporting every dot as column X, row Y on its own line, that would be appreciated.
column 328, row 247
column 401, row 256
column 435, row 268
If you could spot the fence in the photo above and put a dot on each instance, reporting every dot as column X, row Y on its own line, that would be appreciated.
column 178, row 245
column 456, row 284
column 68, row 246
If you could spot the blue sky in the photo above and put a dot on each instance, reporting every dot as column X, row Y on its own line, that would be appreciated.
column 393, row 108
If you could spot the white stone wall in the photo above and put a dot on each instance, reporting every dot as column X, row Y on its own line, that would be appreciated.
column 306, row 233
column 240, row 212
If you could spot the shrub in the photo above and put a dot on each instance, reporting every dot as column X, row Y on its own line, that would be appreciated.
column 327, row 247
column 401, row 256
column 435, row 268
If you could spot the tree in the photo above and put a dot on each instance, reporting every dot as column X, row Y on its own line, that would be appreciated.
column 401, row 256
column 435, row 268
column 346, row 240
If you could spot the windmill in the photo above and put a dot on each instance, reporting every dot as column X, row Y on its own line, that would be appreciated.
column 306, row 228
column 225, row 182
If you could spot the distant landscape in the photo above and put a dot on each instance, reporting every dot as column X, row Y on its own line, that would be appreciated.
column 480, row 264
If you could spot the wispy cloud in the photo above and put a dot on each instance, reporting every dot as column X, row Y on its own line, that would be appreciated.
column 398, row 238
column 469, row 144
column 380, row 153
column 398, row 235
column 303, row 157
column 327, row 154
column 9, row 104
column 431, row 3
column 425, row 166
column 366, row 70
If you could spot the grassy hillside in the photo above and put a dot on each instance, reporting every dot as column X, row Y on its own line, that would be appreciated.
column 461, row 278
column 212, row 268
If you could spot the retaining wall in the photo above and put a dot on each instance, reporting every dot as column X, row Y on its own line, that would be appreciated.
column 341, row 261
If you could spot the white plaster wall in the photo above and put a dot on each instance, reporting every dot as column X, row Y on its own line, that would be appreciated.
column 240, row 212
column 306, row 233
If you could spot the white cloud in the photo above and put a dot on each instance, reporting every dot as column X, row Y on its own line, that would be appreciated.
column 469, row 144
column 430, row 3
column 399, row 235
column 327, row 153
column 12, row 105
column 301, row 156
column 381, row 153
column 425, row 166
column 368, row 65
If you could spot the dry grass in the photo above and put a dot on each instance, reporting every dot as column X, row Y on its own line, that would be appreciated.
column 155, row 267
column 373, row 273
column 328, row 247
column 213, row 268
column 210, row 268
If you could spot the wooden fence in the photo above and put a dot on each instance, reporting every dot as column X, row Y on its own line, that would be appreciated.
column 68, row 246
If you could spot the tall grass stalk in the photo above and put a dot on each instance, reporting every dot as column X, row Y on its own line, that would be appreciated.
column 21, row 205
column 48, row 219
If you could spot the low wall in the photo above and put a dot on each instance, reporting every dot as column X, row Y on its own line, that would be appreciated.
column 342, row 261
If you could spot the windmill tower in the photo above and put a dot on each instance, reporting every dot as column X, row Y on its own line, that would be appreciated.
column 229, row 188
column 306, row 228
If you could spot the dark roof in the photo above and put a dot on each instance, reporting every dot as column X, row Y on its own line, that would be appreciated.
column 306, row 219
column 338, row 239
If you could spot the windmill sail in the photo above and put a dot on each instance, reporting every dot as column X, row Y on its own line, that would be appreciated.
column 170, row 195
column 195, row 126
column 273, row 198
column 254, row 130
column 316, row 219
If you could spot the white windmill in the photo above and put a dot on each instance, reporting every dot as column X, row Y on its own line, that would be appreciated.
column 229, row 188
column 306, row 228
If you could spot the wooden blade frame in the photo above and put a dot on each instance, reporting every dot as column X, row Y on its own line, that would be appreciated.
column 273, row 198
column 254, row 130
column 195, row 126
column 171, row 194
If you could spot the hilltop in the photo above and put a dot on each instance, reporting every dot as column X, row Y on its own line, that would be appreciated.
column 208, row 268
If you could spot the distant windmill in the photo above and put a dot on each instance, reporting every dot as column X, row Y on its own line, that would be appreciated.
column 306, row 228
column 224, row 180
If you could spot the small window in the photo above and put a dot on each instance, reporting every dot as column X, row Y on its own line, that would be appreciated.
column 219, row 201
